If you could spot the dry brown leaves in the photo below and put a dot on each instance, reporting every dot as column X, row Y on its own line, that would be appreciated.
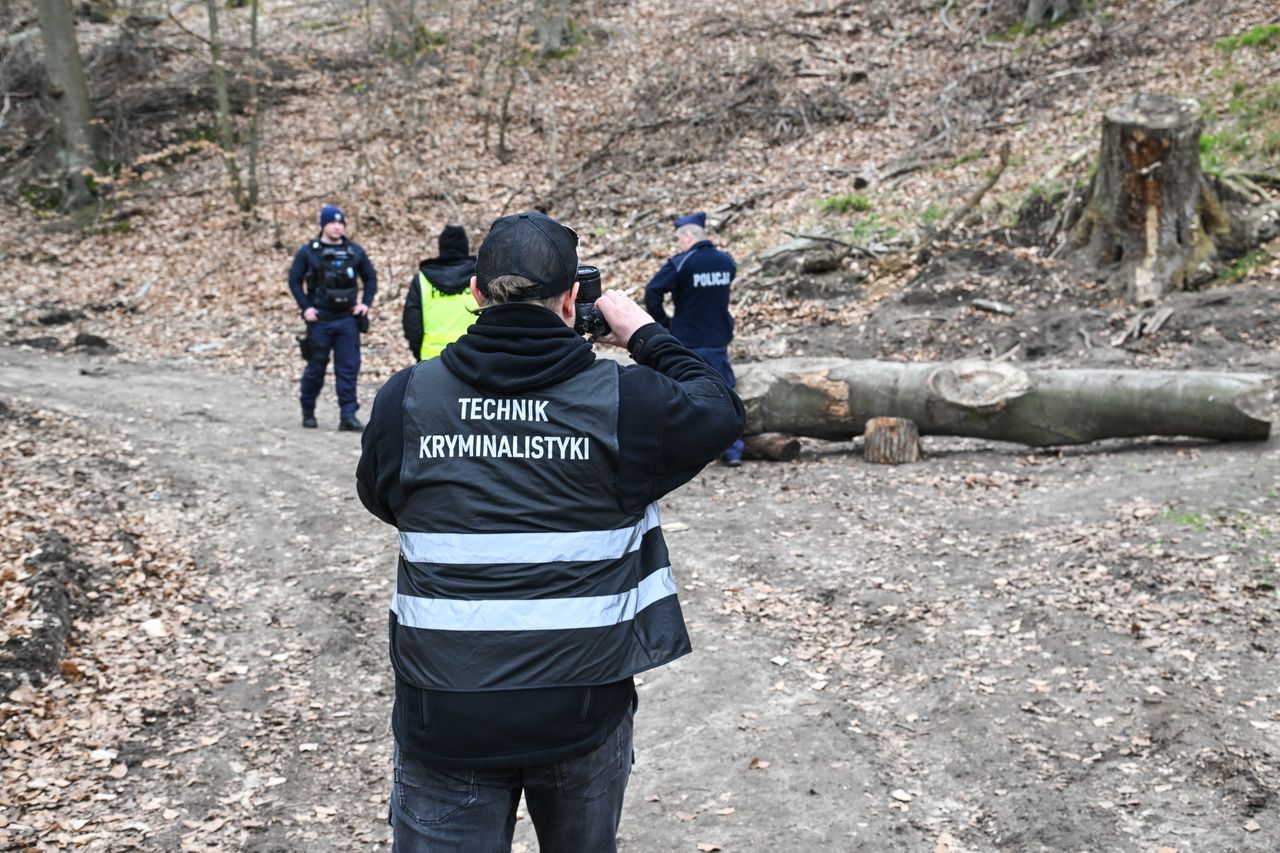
column 406, row 148
column 68, row 742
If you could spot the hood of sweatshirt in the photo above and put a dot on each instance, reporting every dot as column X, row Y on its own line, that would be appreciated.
column 515, row 348
column 450, row 276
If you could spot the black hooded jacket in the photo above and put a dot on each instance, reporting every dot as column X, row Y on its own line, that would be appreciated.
column 675, row 415
column 448, row 275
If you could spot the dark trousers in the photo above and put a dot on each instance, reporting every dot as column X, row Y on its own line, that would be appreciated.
column 575, row 805
column 342, row 338
column 718, row 358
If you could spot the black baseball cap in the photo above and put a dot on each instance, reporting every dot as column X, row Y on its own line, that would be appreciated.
column 531, row 245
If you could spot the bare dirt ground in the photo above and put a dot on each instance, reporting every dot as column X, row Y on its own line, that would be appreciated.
column 992, row 650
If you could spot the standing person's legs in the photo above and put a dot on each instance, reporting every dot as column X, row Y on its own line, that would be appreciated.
column 346, row 363
column 313, row 373
column 575, row 805
column 438, row 810
column 718, row 358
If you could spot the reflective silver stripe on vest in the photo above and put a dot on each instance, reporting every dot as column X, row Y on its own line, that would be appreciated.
column 541, row 614
column 490, row 548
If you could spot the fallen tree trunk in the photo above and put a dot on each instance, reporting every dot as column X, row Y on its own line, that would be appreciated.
column 834, row 398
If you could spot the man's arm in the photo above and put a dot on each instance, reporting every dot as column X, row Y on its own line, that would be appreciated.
column 297, row 280
column 381, row 449
column 681, row 405
column 364, row 268
column 412, row 319
column 675, row 413
column 655, row 293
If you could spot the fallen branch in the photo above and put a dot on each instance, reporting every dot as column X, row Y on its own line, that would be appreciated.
column 970, row 203
column 942, row 16
column 14, row 40
column 1269, row 179
column 866, row 251
column 1076, row 156
column 980, row 192
column 994, row 307
column 1059, row 224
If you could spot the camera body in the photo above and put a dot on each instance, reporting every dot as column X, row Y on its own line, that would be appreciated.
column 587, row 319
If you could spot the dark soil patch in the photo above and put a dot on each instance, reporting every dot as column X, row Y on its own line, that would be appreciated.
column 55, row 595
column 985, row 303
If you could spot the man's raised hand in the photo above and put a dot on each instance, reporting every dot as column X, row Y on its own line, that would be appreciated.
column 623, row 315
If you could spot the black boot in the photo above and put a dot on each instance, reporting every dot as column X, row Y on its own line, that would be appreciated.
column 350, row 424
column 309, row 419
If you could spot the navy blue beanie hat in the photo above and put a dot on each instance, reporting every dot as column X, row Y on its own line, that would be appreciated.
column 699, row 219
column 331, row 213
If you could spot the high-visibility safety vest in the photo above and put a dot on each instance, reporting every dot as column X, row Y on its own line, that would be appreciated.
column 517, row 568
column 445, row 317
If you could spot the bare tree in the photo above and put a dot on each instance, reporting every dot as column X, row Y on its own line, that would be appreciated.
column 255, row 70
column 226, row 132
column 70, row 97
column 1041, row 12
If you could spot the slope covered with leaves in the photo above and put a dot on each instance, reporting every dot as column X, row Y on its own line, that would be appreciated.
column 869, row 122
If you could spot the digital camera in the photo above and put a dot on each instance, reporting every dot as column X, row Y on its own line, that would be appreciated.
column 587, row 319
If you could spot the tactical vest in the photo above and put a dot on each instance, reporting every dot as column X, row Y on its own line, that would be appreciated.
column 517, row 568
column 445, row 317
column 336, row 287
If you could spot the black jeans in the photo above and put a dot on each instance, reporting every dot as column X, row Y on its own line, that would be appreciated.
column 575, row 804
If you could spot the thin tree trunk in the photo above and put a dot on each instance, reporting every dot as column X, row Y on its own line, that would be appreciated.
column 1050, row 11
column 512, row 64
column 834, row 398
column 255, row 69
column 226, row 133
column 70, row 97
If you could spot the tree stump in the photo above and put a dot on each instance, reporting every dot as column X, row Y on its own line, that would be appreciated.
column 772, row 446
column 1151, row 218
column 891, row 441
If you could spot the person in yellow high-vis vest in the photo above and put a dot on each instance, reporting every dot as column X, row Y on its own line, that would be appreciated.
column 439, row 307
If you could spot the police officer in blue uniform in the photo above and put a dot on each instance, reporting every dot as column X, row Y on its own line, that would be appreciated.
column 533, row 582
column 325, row 281
column 698, row 280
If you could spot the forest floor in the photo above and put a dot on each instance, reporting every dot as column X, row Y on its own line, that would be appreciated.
column 995, row 649
column 992, row 650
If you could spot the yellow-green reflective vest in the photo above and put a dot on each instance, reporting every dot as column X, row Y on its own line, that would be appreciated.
column 445, row 317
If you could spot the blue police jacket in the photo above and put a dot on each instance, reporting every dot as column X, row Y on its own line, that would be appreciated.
column 699, row 282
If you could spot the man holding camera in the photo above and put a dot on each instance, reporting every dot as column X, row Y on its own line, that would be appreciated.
column 325, row 281
column 698, row 279
column 533, row 581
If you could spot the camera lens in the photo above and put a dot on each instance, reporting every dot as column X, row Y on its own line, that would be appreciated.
column 588, row 284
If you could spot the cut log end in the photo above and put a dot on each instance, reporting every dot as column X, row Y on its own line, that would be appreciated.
column 981, row 386
column 891, row 441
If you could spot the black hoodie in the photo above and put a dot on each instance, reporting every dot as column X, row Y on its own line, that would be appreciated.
column 675, row 414
column 448, row 275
